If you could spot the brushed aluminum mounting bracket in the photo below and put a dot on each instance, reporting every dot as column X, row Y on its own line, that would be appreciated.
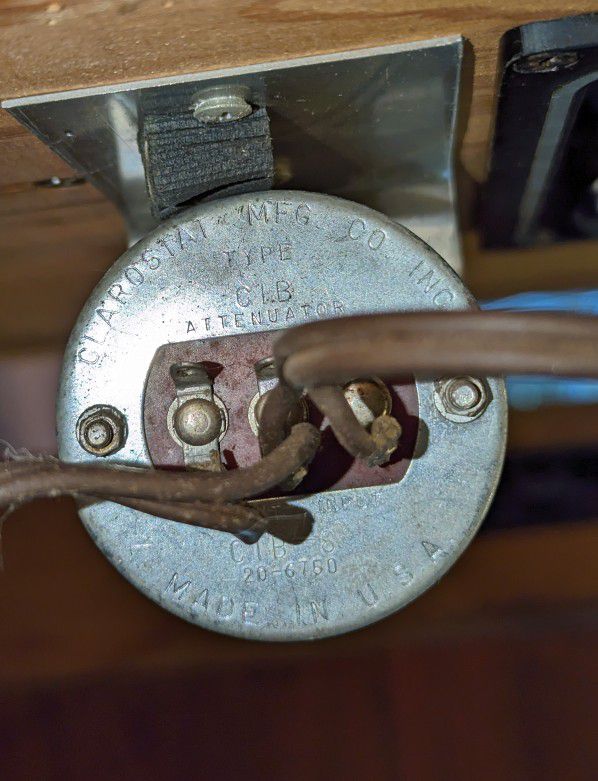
column 377, row 126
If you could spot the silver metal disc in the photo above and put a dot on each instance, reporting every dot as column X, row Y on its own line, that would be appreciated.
column 281, row 258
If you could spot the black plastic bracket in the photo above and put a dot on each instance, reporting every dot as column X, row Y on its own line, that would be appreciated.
column 544, row 157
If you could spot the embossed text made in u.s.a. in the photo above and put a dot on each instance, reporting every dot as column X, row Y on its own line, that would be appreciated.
column 236, row 608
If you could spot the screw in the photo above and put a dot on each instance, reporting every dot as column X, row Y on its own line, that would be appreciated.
column 461, row 399
column 545, row 62
column 98, row 434
column 463, row 395
column 222, row 106
column 198, row 422
column 101, row 430
column 58, row 182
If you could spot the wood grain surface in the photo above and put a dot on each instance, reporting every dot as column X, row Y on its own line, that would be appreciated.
column 67, row 612
column 495, row 707
column 46, row 47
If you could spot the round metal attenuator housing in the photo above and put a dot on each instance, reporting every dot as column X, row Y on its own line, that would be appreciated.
column 258, row 263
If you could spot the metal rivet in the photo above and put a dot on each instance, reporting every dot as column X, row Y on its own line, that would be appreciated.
column 101, row 430
column 299, row 413
column 369, row 399
column 198, row 422
column 461, row 399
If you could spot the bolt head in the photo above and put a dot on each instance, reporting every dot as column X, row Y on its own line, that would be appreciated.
column 101, row 430
column 98, row 433
column 463, row 394
column 461, row 399
column 198, row 422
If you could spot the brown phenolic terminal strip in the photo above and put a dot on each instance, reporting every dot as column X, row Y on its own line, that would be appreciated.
column 232, row 363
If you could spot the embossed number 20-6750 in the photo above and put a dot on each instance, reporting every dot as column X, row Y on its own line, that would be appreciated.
column 301, row 568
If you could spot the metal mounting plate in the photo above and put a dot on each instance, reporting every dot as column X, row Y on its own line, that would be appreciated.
column 376, row 126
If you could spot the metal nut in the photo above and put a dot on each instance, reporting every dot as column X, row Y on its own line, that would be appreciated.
column 461, row 399
column 101, row 430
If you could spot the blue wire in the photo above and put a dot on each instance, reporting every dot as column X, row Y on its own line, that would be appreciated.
column 532, row 392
